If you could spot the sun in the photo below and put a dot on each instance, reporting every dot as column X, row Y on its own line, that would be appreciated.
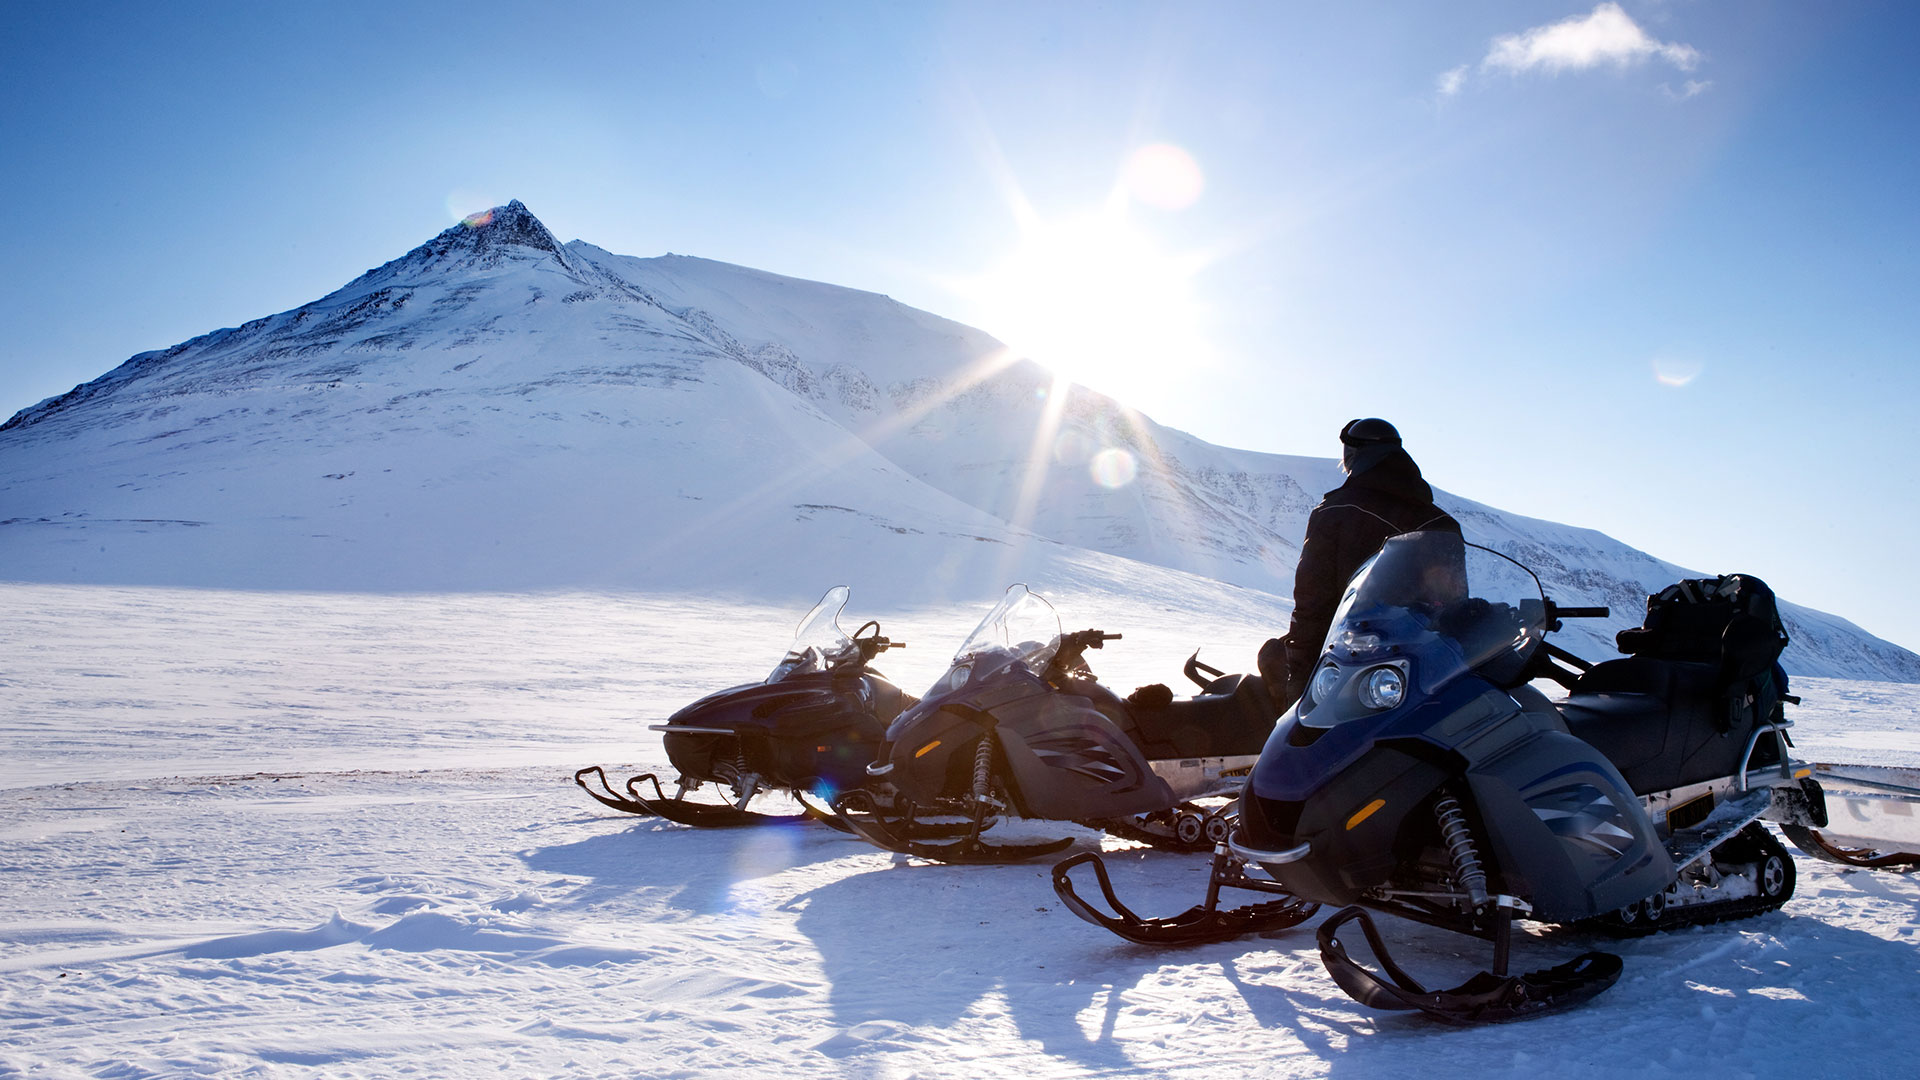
column 1095, row 300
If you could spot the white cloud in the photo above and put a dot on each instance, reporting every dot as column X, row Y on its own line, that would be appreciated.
column 1606, row 36
column 1687, row 89
column 1451, row 81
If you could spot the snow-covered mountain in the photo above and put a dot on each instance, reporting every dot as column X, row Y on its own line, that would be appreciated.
column 496, row 410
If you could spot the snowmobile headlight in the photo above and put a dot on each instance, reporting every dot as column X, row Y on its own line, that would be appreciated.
column 1326, row 683
column 1383, row 687
column 958, row 677
column 1359, row 643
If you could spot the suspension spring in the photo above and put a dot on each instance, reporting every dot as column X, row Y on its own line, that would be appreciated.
column 730, row 769
column 1458, row 839
column 983, row 767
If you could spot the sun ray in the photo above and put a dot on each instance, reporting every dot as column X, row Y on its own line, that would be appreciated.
column 1033, row 480
column 731, row 513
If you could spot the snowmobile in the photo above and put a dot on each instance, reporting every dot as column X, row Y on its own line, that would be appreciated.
column 810, row 727
column 1422, row 775
column 1019, row 726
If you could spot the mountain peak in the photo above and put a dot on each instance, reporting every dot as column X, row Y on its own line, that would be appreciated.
column 492, row 234
column 482, row 240
column 503, row 225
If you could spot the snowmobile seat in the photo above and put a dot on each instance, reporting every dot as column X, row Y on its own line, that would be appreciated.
column 1701, row 674
column 1232, row 717
column 1731, row 622
column 1658, row 721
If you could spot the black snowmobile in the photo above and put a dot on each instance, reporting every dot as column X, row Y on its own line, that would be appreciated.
column 1019, row 726
column 1422, row 776
column 810, row 727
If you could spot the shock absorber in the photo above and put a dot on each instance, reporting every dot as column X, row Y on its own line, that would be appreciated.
column 982, row 786
column 983, row 768
column 1458, row 839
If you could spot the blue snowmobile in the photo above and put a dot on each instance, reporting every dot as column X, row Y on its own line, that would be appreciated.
column 1422, row 775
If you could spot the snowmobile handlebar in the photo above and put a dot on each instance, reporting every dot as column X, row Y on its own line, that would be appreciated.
column 1068, row 657
column 1555, row 613
column 1087, row 639
column 873, row 644
column 1559, row 612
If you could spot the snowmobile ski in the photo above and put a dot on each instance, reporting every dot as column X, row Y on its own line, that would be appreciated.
column 606, row 795
column 1202, row 924
column 678, row 808
column 1489, row 997
column 1813, row 843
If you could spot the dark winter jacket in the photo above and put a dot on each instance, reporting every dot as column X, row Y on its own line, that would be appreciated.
column 1345, row 530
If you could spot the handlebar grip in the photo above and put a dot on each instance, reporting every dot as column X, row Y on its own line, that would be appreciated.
column 1582, row 612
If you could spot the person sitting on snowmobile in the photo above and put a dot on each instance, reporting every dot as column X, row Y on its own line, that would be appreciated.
column 1384, row 495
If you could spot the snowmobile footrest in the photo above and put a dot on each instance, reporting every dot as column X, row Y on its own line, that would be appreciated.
column 1201, row 924
column 1486, row 998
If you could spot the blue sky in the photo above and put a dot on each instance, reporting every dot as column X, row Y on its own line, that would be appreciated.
column 1647, row 267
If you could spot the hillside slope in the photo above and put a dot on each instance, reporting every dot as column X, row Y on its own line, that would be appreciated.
column 496, row 410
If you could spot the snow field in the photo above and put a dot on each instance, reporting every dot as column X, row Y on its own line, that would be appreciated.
column 291, row 835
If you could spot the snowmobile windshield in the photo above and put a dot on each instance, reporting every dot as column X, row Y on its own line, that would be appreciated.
column 1428, row 587
column 1022, row 626
column 819, row 643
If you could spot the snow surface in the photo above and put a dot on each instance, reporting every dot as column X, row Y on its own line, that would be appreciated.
column 279, row 834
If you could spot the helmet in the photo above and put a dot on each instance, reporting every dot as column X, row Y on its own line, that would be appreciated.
column 1366, row 443
column 1369, row 432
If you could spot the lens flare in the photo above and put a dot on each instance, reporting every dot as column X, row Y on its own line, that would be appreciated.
column 461, row 202
column 1113, row 468
column 1073, row 447
column 1676, row 371
column 1163, row 176
column 763, row 853
column 1280, row 562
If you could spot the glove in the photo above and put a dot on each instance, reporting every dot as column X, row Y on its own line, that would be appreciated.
column 1272, row 662
column 1151, row 696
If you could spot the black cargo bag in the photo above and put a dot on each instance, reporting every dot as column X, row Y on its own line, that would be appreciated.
column 1731, row 622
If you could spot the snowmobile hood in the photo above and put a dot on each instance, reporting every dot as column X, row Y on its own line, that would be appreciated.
column 795, row 705
column 1300, row 760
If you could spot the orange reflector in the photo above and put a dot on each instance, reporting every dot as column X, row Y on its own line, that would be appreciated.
column 922, row 752
column 821, row 749
column 1365, row 813
column 1802, row 774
